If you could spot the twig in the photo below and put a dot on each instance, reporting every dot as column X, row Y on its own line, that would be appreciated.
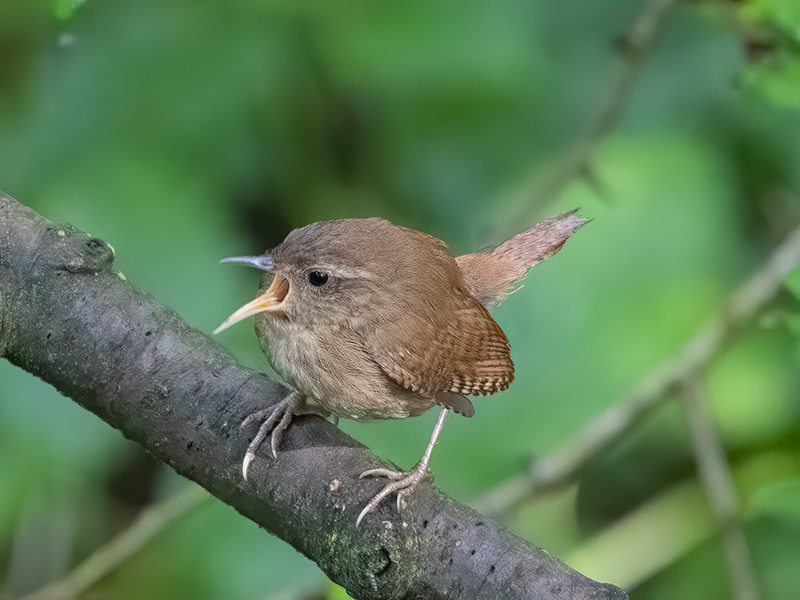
column 715, row 477
column 538, row 188
column 67, row 316
column 111, row 555
column 563, row 465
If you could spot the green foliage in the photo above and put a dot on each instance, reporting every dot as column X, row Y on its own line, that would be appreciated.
column 777, row 79
column 778, row 500
column 776, row 24
column 183, row 132
column 64, row 9
column 781, row 14
column 792, row 282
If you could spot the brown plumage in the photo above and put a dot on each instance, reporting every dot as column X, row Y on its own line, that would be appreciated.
column 490, row 275
column 368, row 320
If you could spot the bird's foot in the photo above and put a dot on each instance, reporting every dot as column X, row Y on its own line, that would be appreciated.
column 275, row 420
column 403, row 484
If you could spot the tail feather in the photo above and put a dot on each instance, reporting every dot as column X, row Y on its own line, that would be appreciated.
column 490, row 275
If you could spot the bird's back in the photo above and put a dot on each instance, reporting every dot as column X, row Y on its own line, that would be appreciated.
column 434, row 337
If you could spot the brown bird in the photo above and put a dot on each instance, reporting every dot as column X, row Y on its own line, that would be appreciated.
column 367, row 320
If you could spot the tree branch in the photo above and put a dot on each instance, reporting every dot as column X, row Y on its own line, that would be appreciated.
column 560, row 467
column 67, row 316
column 715, row 476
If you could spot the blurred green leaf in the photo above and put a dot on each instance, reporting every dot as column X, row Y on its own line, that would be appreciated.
column 777, row 79
column 784, row 14
column 777, row 499
column 64, row 9
column 753, row 388
column 781, row 317
column 792, row 282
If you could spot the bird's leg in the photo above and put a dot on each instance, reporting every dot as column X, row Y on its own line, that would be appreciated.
column 274, row 419
column 403, row 482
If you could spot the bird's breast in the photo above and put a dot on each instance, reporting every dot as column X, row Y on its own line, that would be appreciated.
column 332, row 368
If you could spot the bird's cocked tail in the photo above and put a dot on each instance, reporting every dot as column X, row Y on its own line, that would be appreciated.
column 490, row 275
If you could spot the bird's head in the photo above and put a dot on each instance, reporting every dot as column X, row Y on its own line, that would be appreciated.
column 332, row 272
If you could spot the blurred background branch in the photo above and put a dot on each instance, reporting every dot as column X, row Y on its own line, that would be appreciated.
column 108, row 557
column 564, row 465
column 539, row 188
column 715, row 476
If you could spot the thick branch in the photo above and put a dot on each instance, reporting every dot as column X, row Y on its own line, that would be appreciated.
column 68, row 317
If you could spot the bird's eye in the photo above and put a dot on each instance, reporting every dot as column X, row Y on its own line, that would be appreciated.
column 317, row 278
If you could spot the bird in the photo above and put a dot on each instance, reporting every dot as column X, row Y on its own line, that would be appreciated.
column 368, row 320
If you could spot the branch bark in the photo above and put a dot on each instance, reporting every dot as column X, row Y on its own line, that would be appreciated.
column 67, row 316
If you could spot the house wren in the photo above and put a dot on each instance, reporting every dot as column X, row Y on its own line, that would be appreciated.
column 367, row 320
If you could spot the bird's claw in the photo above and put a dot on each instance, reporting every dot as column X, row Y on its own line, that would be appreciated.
column 402, row 483
column 275, row 420
column 259, row 415
column 248, row 458
column 388, row 473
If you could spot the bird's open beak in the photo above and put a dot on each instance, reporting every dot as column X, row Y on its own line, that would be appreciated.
column 268, row 301
column 263, row 262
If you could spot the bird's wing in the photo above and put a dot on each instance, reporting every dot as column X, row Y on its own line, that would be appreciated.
column 464, row 352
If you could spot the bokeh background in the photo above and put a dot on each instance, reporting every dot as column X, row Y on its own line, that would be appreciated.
column 183, row 132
